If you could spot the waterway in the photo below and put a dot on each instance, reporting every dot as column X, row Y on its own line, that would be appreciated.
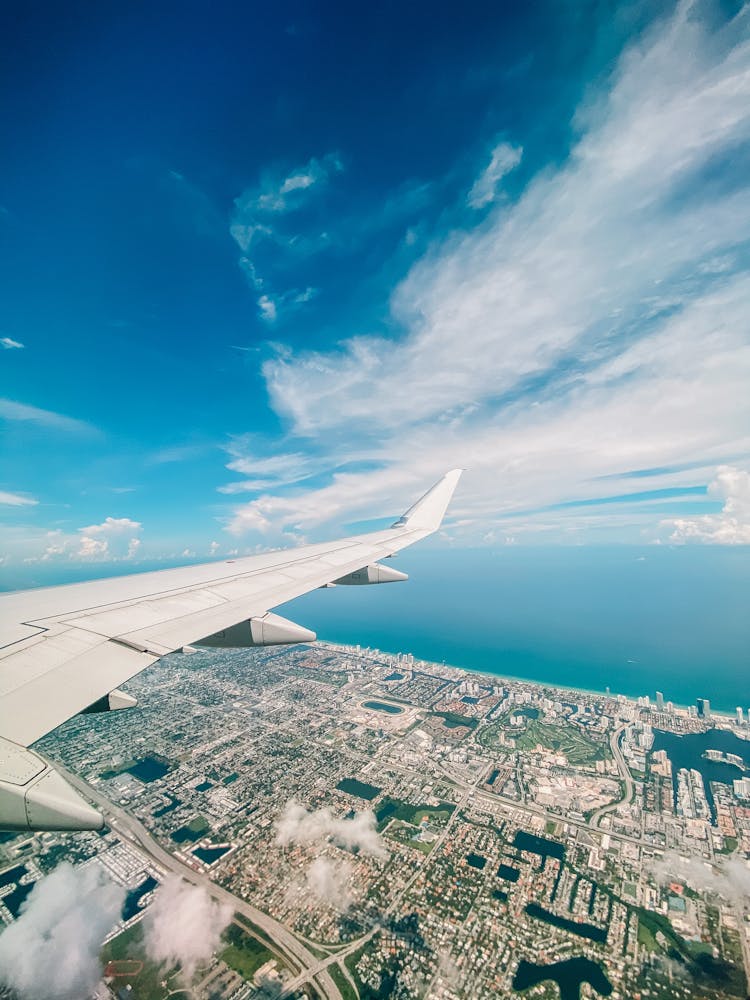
column 687, row 751
column 569, row 976
column 130, row 906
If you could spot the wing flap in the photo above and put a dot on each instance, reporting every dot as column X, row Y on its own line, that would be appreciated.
column 72, row 681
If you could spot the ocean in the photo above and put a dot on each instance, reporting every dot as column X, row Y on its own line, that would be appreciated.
column 675, row 620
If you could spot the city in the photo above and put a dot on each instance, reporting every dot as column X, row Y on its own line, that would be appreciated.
column 387, row 827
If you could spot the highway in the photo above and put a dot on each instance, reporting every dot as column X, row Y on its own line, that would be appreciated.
column 310, row 968
column 614, row 742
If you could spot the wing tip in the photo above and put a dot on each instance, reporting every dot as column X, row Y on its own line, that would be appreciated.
column 428, row 512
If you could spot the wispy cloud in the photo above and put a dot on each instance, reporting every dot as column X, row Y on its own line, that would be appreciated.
column 330, row 882
column 8, row 344
column 595, row 324
column 179, row 453
column 264, row 471
column 504, row 158
column 261, row 221
column 23, row 413
column 296, row 825
column 17, row 499
column 277, row 195
column 730, row 877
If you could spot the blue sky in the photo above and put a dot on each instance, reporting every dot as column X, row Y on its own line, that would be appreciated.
column 267, row 274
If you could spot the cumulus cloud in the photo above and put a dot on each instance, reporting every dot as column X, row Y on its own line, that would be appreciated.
column 504, row 158
column 298, row 826
column 594, row 326
column 52, row 949
column 17, row 499
column 8, row 344
column 183, row 926
column 729, row 878
column 732, row 525
column 114, row 538
column 330, row 881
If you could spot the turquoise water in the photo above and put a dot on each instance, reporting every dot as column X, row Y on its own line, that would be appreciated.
column 634, row 620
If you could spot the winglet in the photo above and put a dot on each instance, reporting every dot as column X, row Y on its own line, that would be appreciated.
column 427, row 514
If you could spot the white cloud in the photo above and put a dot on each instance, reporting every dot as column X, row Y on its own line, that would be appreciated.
column 330, row 881
column 729, row 878
column 8, row 344
column 178, row 453
column 114, row 538
column 296, row 825
column 583, row 331
column 265, row 471
column 23, row 413
column 504, row 158
column 52, row 949
column 267, row 308
column 277, row 195
column 264, row 217
column 16, row 499
column 731, row 526
column 183, row 926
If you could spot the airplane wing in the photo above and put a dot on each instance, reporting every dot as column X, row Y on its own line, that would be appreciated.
column 65, row 650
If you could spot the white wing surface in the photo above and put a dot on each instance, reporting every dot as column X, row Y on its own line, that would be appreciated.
column 64, row 650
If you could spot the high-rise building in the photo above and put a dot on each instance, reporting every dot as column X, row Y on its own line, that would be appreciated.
column 660, row 701
column 704, row 708
column 740, row 716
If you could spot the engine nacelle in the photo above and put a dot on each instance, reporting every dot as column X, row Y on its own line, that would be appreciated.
column 265, row 630
column 374, row 573
column 34, row 796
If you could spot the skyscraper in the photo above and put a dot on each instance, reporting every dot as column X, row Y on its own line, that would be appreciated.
column 740, row 716
column 660, row 701
column 704, row 708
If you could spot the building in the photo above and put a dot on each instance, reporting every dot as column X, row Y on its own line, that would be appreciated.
column 704, row 708
column 660, row 701
column 740, row 716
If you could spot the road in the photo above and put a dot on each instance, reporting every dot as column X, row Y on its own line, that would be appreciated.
column 287, row 943
column 614, row 742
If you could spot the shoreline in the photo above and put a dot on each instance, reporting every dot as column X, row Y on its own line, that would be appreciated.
column 722, row 715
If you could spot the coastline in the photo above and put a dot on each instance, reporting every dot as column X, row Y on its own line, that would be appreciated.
column 718, row 714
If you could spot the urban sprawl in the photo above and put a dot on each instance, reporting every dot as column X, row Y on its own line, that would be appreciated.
column 386, row 827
